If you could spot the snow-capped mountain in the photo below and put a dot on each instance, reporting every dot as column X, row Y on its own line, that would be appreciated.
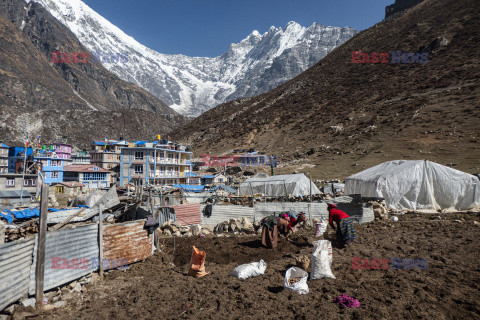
column 192, row 85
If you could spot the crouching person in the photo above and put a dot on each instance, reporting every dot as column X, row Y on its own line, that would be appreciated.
column 346, row 233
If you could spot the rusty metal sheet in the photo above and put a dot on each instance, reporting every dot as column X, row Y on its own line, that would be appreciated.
column 188, row 214
column 16, row 261
column 125, row 243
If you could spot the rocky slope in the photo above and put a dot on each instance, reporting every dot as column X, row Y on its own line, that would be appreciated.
column 342, row 117
column 79, row 100
column 192, row 85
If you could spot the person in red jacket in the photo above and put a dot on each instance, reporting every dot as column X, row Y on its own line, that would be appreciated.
column 345, row 231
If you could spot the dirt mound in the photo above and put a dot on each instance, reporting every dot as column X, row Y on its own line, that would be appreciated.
column 447, row 289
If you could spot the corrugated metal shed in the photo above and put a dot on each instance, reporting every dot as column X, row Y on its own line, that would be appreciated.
column 221, row 213
column 163, row 215
column 15, row 194
column 188, row 214
column 16, row 259
column 61, row 249
column 128, row 241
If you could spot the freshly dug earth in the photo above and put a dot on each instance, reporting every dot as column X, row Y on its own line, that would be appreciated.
column 448, row 289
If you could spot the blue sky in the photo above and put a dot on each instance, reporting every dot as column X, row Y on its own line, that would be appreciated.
column 207, row 27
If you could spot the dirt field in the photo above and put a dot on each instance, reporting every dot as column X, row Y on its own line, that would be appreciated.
column 448, row 289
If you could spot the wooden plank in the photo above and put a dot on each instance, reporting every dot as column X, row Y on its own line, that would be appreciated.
column 42, row 237
column 100, row 240
column 64, row 222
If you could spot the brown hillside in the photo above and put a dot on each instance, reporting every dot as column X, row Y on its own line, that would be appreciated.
column 345, row 117
column 82, row 101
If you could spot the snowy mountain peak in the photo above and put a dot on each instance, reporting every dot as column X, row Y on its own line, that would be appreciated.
column 192, row 85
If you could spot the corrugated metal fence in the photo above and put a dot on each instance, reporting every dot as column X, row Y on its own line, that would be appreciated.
column 221, row 213
column 16, row 259
column 69, row 255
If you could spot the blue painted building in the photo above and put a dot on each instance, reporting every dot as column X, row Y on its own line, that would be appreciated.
column 16, row 157
column 52, row 168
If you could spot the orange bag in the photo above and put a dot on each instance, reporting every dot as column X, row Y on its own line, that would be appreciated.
column 197, row 268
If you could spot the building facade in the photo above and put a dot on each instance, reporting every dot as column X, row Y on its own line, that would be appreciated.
column 81, row 157
column 90, row 175
column 155, row 163
column 3, row 158
column 106, row 155
column 52, row 167
column 14, row 181
column 16, row 156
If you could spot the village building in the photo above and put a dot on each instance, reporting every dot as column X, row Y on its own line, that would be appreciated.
column 14, row 181
column 89, row 175
column 3, row 158
column 70, row 189
column 213, row 180
column 81, row 157
column 16, row 155
column 155, row 163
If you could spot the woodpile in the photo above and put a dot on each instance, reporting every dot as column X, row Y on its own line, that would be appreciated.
column 15, row 232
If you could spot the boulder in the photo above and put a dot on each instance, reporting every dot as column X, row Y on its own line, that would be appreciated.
column 166, row 224
column 206, row 232
column 196, row 230
column 247, row 225
column 167, row 232
column 188, row 234
column 177, row 234
column 184, row 229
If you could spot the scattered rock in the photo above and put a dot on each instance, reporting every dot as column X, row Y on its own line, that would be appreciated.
column 177, row 234
column 4, row 317
column 10, row 309
column 60, row 304
column 167, row 232
column 460, row 221
column 476, row 223
column 196, row 230
column 188, row 234
column 28, row 302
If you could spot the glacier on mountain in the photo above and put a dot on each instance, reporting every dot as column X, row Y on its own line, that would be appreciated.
column 192, row 85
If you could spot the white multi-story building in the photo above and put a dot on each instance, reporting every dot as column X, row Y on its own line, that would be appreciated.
column 155, row 163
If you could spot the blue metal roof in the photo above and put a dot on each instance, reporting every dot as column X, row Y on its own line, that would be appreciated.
column 209, row 176
column 190, row 187
column 191, row 174
column 3, row 145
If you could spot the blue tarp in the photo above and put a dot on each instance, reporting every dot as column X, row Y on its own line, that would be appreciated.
column 7, row 216
column 28, row 213
column 24, row 214
column 190, row 187
column 209, row 177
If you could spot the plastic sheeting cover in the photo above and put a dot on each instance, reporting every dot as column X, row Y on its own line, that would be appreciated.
column 417, row 185
column 276, row 186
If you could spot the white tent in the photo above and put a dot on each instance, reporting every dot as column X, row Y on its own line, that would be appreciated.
column 417, row 185
column 275, row 186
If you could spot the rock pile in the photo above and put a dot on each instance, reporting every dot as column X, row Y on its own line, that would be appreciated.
column 242, row 225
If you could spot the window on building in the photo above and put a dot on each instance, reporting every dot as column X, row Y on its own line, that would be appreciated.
column 59, row 189
column 138, row 169
column 10, row 183
column 95, row 168
column 54, row 175
column 138, row 155
column 56, row 163
column 92, row 176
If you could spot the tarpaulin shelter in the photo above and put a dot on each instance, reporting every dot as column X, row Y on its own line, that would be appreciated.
column 417, row 185
column 277, row 186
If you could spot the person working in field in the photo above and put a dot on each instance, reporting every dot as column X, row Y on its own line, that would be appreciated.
column 272, row 226
column 345, row 231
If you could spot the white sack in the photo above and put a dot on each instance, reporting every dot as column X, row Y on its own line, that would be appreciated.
column 321, row 260
column 248, row 270
column 300, row 286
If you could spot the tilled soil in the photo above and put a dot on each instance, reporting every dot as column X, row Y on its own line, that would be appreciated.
column 448, row 289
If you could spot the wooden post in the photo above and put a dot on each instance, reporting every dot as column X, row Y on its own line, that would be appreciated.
column 42, row 238
column 141, row 192
column 100, row 241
